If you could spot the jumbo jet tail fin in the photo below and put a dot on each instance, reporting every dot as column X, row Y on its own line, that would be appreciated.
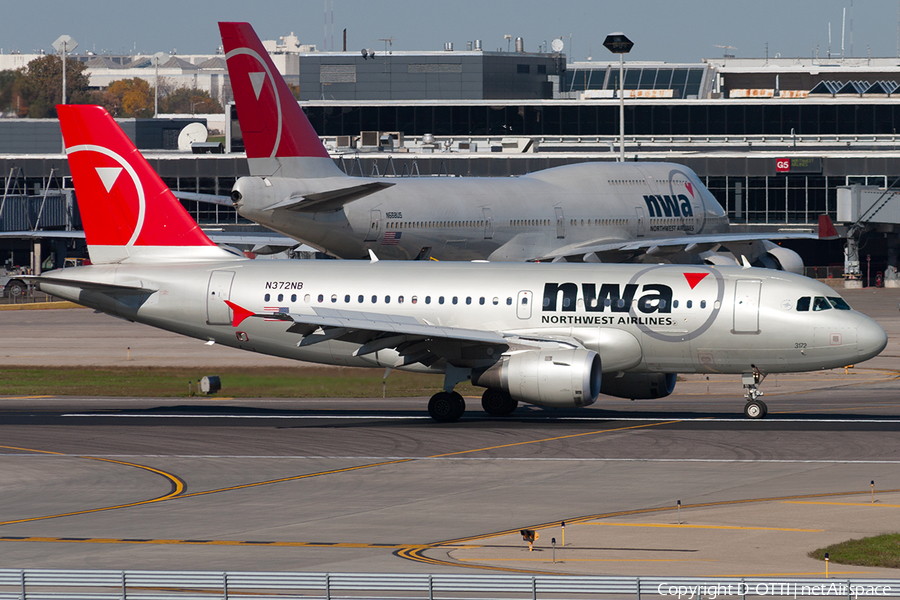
column 128, row 212
column 826, row 228
column 279, row 139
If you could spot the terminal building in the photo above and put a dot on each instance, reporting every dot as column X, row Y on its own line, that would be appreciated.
column 773, row 140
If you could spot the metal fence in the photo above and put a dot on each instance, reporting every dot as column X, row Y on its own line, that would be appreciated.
column 40, row 584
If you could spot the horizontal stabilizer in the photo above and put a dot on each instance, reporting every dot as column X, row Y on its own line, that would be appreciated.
column 106, row 288
column 208, row 198
column 331, row 200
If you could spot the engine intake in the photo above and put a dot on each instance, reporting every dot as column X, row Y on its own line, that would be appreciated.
column 639, row 386
column 559, row 378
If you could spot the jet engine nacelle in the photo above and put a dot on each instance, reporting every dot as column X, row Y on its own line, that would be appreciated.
column 784, row 258
column 560, row 378
column 760, row 253
column 639, row 386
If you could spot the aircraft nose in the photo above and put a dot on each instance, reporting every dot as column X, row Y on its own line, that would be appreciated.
column 871, row 338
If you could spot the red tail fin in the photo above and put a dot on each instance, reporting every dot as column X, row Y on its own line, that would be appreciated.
column 272, row 123
column 826, row 228
column 126, row 209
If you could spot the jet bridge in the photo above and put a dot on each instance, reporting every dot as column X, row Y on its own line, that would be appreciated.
column 869, row 209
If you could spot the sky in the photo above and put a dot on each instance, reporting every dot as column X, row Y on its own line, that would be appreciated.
column 662, row 30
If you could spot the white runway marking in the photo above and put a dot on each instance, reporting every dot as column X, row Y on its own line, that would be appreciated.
column 425, row 417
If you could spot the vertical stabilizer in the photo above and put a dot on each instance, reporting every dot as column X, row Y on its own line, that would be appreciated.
column 127, row 211
column 279, row 139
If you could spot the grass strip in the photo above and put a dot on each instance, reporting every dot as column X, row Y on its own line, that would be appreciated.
column 878, row 551
column 258, row 382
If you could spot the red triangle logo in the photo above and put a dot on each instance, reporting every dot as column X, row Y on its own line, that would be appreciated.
column 690, row 188
column 694, row 278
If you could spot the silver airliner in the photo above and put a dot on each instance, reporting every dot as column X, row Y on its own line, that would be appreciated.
column 590, row 212
column 555, row 335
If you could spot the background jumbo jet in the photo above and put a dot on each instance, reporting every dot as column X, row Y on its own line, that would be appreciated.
column 590, row 212
column 553, row 335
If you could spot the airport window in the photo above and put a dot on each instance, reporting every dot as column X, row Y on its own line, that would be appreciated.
column 360, row 298
column 281, row 297
column 820, row 303
column 455, row 300
column 387, row 299
column 523, row 69
column 321, row 298
column 347, row 299
column 839, row 303
column 293, row 297
column 267, row 297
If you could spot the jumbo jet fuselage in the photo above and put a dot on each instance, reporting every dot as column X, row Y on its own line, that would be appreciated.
column 641, row 319
column 494, row 218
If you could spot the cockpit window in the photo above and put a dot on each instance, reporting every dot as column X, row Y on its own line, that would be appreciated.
column 803, row 304
column 820, row 303
column 839, row 303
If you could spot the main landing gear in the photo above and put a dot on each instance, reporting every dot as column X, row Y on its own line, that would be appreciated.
column 755, row 408
column 498, row 403
column 446, row 407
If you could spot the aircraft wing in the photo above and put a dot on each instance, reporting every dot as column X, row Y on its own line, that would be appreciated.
column 414, row 340
column 330, row 200
column 693, row 243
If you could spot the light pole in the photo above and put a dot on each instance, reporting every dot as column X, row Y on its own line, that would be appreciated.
column 155, row 60
column 618, row 43
column 64, row 44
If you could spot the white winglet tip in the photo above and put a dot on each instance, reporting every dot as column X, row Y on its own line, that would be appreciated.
column 372, row 257
column 745, row 262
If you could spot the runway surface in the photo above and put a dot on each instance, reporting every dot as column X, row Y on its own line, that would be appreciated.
column 373, row 485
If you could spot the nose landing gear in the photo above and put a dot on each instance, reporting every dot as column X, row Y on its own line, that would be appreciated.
column 755, row 408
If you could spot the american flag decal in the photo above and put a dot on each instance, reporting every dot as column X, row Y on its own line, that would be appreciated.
column 391, row 238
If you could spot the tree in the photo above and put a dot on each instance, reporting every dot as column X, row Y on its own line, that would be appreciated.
column 40, row 85
column 129, row 98
column 185, row 100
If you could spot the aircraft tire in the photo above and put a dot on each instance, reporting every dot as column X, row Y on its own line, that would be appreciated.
column 446, row 407
column 460, row 404
column 497, row 403
column 755, row 409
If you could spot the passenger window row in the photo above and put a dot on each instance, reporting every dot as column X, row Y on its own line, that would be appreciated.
column 361, row 299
